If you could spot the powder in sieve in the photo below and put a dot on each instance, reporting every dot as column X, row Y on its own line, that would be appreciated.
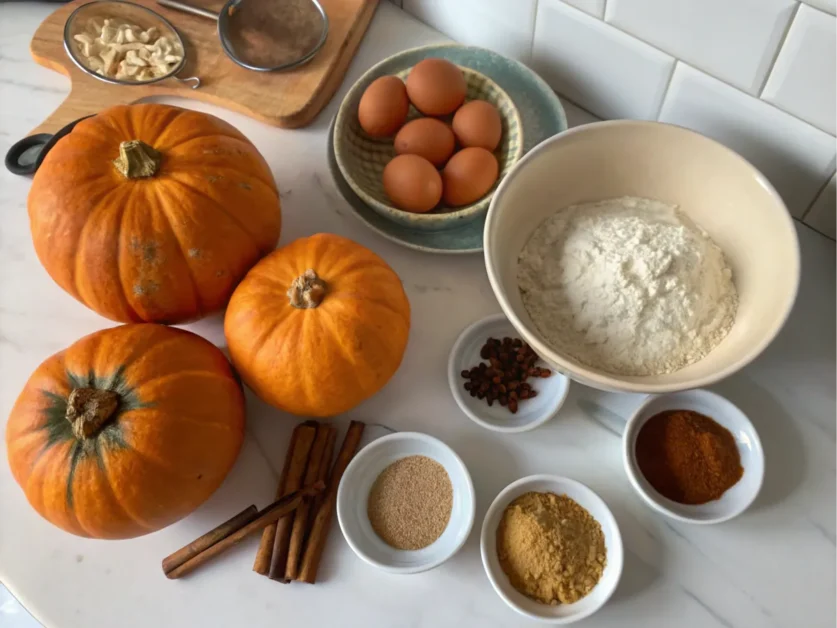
column 410, row 503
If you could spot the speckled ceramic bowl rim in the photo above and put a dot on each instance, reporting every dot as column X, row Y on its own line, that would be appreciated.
column 454, row 217
column 335, row 173
column 542, row 118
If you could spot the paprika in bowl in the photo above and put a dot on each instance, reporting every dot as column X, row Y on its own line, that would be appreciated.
column 693, row 456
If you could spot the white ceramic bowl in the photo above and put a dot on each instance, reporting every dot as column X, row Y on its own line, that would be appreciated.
column 563, row 613
column 714, row 186
column 552, row 390
column 353, row 495
column 734, row 501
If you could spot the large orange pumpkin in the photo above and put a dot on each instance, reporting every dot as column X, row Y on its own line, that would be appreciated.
column 153, row 213
column 126, row 431
column 318, row 326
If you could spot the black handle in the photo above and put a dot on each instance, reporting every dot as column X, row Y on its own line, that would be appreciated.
column 24, row 156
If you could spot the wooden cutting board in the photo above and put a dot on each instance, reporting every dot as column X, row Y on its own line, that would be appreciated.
column 286, row 99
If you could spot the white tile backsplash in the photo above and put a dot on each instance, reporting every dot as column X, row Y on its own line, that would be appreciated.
column 607, row 72
column 734, row 40
column 772, row 97
column 795, row 156
column 595, row 8
column 804, row 80
column 823, row 213
column 576, row 116
column 825, row 5
column 503, row 26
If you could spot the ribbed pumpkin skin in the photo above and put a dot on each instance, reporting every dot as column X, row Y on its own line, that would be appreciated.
column 323, row 361
column 166, row 248
column 176, row 433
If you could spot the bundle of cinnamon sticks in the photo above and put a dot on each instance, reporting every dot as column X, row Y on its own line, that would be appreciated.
column 295, row 527
column 291, row 548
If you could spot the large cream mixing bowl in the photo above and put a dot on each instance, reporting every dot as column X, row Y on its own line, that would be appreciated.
column 717, row 188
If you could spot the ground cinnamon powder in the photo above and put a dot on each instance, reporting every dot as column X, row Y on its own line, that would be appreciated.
column 551, row 549
column 687, row 457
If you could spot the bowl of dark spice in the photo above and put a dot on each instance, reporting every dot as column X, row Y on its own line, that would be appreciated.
column 499, row 382
column 693, row 456
column 406, row 503
column 551, row 548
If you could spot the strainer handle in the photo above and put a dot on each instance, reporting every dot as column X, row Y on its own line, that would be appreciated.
column 188, row 8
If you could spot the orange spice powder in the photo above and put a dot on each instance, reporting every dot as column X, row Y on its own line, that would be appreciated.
column 687, row 457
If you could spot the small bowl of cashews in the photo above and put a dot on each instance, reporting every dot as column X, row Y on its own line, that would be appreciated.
column 124, row 43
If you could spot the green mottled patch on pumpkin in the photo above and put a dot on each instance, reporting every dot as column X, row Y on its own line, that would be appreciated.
column 77, row 452
column 110, row 437
column 76, row 381
column 57, row 426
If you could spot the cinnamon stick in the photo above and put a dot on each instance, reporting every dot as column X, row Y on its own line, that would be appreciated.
column 194, row 548
column 322, row 521
column 274, row 511
column 325, row 467
column 296, row 473
column 262, row 563
column 300, row 517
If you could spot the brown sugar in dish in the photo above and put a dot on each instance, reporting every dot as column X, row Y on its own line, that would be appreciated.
column 551, row 548
column 410, row 503
column 687, row 457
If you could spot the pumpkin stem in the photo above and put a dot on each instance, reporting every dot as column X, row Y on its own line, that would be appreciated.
column 307, row 291
column 137, row 159
column 88, row 409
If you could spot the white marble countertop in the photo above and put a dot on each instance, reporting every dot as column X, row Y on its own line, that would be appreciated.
column 772, row 566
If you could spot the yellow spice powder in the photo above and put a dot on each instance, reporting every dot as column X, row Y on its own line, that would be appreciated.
column 551, row 549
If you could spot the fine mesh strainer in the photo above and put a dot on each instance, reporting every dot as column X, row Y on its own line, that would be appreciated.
column 266, row 35
column 99, row 11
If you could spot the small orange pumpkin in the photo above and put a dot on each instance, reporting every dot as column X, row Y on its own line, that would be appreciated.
column 153, row 213
column 126, row 431
column 318, row 326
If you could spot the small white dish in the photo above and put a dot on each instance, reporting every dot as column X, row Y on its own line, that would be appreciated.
column 735, row 500
column 353, row 495
column 585, row 497
column 531, row 413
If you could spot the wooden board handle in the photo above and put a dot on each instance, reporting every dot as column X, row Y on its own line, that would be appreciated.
column 81, row 102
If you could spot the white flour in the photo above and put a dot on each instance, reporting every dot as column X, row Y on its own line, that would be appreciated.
column 628, row 285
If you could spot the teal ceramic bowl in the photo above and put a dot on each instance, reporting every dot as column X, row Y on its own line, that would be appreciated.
column 362, row 159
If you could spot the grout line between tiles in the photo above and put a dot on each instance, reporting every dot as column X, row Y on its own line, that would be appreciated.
column 677, row 61
column 561, row 97
column 604, row 11
column 534, row 26
column 781, row 45
column 814, row 229
column 624, row 32
column 668, row 86
column 822, row 189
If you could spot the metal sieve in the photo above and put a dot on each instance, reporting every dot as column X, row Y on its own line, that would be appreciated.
column 266, row 35
column 134, row 14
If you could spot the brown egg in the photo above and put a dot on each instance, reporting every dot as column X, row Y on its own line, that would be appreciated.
column 426, row 137
column 436, row 87
column 383, row 106
column 477, row 123
column 412, row 183
column 467, row 177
